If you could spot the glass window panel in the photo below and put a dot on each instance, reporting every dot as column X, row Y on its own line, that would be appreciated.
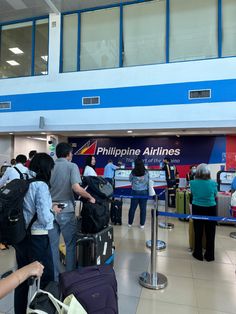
column 193, row 29
column 41, row 47
column 100, row 31
column 18, row 36
column 144, row 33
column 229, row 28
column 70, row 39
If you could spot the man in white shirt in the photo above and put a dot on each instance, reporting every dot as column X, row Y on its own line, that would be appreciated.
column 11, row 173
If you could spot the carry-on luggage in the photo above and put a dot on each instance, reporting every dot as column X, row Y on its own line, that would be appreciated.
column 116, row 212
column 192, row 236
column 182, row 202
column 96, row 249
column 95, row 287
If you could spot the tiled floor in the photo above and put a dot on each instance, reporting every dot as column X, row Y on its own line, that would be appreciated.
column 194, row 287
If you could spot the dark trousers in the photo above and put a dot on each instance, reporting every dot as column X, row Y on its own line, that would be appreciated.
column 142, row 204
column 210, row 229
column 34, row 248
column 110, row 180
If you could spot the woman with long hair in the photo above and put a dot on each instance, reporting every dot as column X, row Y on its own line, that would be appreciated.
column 36, row 246
column 204, row 192
column 89, row 168
column 139, row 179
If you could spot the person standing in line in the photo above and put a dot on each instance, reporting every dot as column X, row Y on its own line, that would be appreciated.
column 36, row 245
column 191, row 174
column 15, row 172
column 89, row 168
column 109, row 171
column 170, row 171
column 65, row 182
column 32, row 153
column 204, row 191
column 139, row 179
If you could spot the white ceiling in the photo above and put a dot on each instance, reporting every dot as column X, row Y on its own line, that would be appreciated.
column 12, row 10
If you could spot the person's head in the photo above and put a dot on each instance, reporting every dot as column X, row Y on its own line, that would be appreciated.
column 139, row 168
column 110, row 161
column 193, row 169
column 21, row 159
column 90, row 161
column 42, row 164
column 13, row 161
column 64, row 150
column 32, row 153
column 203, row 172
column 166, row 160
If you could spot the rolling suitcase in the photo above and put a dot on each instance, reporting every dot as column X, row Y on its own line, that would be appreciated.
column 94, row 287
column 95, row 249
column 192, row 236
column 182, row 202
column 116, row 212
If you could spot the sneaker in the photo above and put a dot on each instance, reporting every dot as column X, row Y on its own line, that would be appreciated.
column 129, row 226
column 141, row 226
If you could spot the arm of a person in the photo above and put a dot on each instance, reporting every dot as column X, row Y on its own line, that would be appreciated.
column 43, row 204
column 82, row 192
column 15, row 279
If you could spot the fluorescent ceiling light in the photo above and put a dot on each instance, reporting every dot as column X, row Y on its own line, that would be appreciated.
column 37, row 138
column 44, row 72
column 12, row 62
column 16, row 50
column 11, row 133
column 45, row 58
column 129, row 131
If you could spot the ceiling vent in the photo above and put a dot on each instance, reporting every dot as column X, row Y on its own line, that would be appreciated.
column 5, row 105
column 89, row 101
column 199, row 94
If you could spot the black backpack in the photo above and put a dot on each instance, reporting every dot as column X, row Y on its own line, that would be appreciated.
column 95, row 217
column 97, row 187
column 12, row 223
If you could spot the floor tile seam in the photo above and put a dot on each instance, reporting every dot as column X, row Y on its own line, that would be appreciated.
column 210, row 309
column 226, row 282
column 169, row 302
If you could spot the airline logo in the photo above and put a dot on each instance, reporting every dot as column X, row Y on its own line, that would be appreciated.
column 89, row 148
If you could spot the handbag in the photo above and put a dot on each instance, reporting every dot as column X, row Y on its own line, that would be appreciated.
column 151, row 190
column 47, row 303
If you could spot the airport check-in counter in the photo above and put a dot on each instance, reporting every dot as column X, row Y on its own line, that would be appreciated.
column 224, row 180
column 123, row 185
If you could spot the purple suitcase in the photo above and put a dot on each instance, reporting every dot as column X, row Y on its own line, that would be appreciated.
column 95, row 287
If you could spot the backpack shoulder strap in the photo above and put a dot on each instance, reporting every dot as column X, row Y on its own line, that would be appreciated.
column 20, row 173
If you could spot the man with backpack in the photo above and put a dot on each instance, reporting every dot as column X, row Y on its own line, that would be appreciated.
column 65, row 182
column 19, row 171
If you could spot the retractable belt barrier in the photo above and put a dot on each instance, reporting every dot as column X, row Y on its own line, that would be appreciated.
column 175, row 215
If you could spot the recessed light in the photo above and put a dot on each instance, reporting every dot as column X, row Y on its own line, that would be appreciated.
column 43, row 133
column 16, row 50
column 45, row 58
column 44, row 72
column 12, row 62
column 11, row 133
column 129, row 131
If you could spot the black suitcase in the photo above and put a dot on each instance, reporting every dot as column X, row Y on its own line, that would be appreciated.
column 116, row 212
column 96, row 248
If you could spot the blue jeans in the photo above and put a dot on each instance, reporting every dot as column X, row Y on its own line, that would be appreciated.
column 66, row 224
column 142, row 204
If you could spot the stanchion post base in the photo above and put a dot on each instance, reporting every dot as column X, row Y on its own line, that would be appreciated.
column 232, row 235
column 166, row 225
column 161, row 245
column 155, row 281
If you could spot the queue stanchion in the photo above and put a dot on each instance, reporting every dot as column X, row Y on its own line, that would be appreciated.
column 153, row 280
column 160, row 245
column 165, row 224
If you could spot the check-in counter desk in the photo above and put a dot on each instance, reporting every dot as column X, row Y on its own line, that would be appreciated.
column 123, row 185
